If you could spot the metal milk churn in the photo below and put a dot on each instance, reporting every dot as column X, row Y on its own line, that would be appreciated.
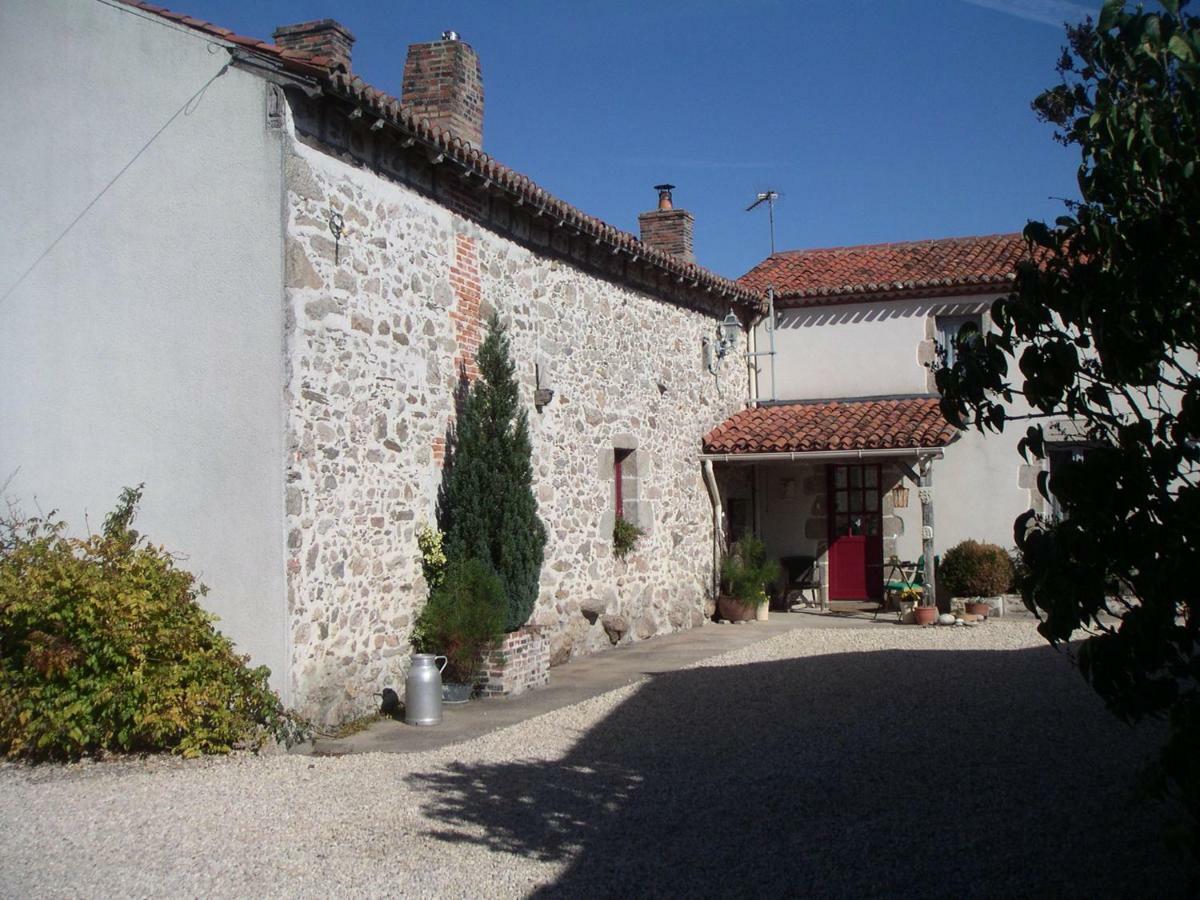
column 423, row 690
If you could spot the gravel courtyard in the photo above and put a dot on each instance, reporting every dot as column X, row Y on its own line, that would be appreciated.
column 872, row 760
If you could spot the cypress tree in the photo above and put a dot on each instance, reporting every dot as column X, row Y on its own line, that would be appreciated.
column 487, row 508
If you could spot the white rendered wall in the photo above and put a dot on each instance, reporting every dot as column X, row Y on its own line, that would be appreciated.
column 146, row 346
column 854, row 349
column 878, row 349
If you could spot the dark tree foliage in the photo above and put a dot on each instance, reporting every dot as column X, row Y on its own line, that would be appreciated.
column 487, row 507
column 1104, row 329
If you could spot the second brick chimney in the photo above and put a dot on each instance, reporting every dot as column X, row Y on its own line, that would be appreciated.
column 322, row 37
column 668, row 229
column 443, row 83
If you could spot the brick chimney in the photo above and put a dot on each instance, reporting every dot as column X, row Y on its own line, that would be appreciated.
column 323, row 37
column 668, row 229
column 443, row 83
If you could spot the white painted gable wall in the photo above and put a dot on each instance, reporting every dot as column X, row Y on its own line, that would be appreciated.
column 147, row 346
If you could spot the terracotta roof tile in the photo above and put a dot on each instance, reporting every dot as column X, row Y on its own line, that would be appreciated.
column 874, row 271
column 901, row 423
column 491, row 173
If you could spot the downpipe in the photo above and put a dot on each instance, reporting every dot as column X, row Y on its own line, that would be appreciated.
column 710, row 481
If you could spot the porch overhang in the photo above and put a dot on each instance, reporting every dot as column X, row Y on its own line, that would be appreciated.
column 917, row 453
column 812, row 430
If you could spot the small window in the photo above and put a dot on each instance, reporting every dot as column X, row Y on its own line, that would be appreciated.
column 624, row 483
column 949, row 328
column 1059, row 456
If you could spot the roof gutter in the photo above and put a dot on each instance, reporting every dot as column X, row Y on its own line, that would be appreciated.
column 827, row 455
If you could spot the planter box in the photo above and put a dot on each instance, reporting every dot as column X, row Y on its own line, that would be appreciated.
column 520, row 664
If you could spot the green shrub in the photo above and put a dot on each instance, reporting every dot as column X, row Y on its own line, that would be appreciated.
column 974, row 569
column 104, row 647
column 625, row 537
column 463, row 619
column 746, row 571
column 486, row 504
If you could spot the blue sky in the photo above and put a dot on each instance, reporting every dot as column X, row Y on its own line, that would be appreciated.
column 877, row 120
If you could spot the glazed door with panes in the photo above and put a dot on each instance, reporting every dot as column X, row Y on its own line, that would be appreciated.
column 855, row 533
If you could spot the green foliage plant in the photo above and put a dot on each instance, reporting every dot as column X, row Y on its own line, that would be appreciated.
column 1104, row 330
column 746, row 572
column 104, row 647
column 975, row 569
column 463, row 619
column 433, row 556
column 625, row 537
column 487, row 507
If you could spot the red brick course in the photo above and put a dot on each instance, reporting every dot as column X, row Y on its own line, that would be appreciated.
column 520, row 664
column 468, row 330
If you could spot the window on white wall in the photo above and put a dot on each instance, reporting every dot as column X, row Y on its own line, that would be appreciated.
column 950, row 327
column 1058, row 457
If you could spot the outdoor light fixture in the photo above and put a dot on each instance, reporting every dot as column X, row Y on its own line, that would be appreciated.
column 899, row 497
column 729, row 332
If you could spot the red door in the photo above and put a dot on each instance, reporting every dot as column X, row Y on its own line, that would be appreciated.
column 855, row 533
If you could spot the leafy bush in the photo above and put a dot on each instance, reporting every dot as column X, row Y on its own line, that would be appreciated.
column 463, row 619
column 746, row 571
column 625, row 537
column 974, row 569
column 433, row 557
column 104, row 647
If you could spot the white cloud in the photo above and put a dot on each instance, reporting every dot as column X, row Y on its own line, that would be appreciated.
column 1048, row 12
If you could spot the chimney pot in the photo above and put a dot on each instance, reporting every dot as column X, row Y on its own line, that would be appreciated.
column 668, row 229
column 320, row 37
column 443, row 83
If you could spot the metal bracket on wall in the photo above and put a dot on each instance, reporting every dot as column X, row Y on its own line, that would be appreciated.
column 336, row 226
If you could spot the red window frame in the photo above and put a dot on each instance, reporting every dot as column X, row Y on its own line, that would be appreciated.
column 619, row 457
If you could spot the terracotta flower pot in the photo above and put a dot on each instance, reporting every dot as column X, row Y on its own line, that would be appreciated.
column 733, row 610
column 979, row 608
column 925, row 615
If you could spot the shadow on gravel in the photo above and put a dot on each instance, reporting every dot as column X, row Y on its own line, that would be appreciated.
column 924, row 773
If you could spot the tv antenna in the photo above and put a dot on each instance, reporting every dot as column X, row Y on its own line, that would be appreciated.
column 768, row 197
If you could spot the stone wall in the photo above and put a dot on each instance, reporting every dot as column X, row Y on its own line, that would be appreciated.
column 384, row 325
column 520, row 664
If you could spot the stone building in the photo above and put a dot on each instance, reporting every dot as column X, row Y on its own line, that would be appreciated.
column 266, row 314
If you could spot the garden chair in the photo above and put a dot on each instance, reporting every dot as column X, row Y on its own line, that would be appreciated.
column 801, row 574
column 905, row 575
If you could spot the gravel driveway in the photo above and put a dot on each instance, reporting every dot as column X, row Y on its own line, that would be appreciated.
column 858, row 761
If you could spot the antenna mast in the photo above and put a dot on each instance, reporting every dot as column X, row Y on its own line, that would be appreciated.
column 768, row 197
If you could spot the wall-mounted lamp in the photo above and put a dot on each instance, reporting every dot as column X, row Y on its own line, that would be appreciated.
column 730, row 327
column 543, row 393
column 718, row 349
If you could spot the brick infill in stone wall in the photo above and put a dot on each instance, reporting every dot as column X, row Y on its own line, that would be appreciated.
column 521, row 663
column 464, row 278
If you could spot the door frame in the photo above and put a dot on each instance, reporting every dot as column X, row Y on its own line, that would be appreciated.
column 859, row 498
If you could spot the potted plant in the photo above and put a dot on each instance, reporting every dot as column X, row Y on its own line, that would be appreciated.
column 974, row 570
column 925, row 612
column 745, row 575
column 909, row 599
column 463, row 620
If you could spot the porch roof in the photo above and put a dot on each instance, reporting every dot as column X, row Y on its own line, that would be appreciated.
column 899, row 423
